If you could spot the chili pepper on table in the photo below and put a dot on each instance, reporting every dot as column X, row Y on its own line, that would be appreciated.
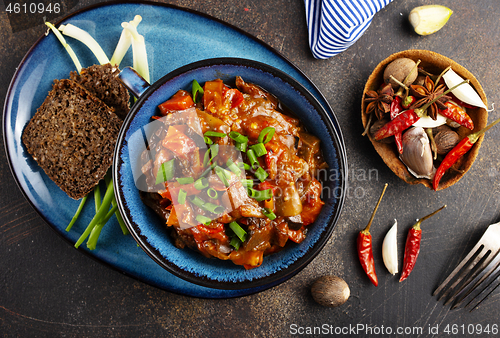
column 396, row 109
column 412, row 248
column 364, row 246
column 457, row 152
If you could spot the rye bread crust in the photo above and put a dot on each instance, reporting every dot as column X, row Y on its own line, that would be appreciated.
column 101, row 81
column 72, row 137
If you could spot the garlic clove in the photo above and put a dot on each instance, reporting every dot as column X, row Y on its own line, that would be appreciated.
column 464, row 92
column 428, row 122
column 390, row 249
column 417, row 153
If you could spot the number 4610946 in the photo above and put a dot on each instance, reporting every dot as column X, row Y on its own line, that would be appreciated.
column 32, row 8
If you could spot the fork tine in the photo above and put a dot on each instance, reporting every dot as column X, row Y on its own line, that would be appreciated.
column 483, row 277
column 468, row 273
column 487, row 290
column 475, row 269
column 476, row 250
column 477, row 273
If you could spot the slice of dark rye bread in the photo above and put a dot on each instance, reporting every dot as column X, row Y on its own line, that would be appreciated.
column 72, row 137
column 101, row 81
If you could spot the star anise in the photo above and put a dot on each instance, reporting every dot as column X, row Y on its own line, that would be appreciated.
column 379, row 101
column 428, row 92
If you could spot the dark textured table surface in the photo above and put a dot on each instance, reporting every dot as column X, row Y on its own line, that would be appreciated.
column 49, row 289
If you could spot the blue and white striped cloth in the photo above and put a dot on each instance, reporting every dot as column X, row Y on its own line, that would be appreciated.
column 334, row 25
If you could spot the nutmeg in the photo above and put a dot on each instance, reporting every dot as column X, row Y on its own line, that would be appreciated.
column 420, row 80
column 400, row 69
column 443, row 127
column 446, row 140
column 330, row 291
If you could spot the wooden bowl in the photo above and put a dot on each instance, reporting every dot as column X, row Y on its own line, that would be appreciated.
column 433, row 63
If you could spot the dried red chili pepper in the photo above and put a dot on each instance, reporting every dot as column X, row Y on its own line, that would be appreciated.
column 396, row 109
column 407, row 118
column 364, row 246
column 457, row 152
column 462, row 103
column 408, row 101
column 456, row 113
column 412, row 248
column 400, row 123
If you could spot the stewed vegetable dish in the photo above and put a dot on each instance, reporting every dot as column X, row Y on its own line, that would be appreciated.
column 232, row 172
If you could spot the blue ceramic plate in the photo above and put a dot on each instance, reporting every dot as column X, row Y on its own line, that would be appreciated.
column 162, row 26
column 149, row 230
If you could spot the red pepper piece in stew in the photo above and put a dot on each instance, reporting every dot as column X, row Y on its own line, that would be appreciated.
column 180, row 101
column 234, row 96
column 213, row 95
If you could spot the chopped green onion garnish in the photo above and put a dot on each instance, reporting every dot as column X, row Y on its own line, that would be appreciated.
column 223, row 174
column 212, row 193
column 261, row 174
column 214, row 150
column 208, row 169
column 243, row 165
column 206, row 157
column 197, row 201
column 269, row 214
column 213, row 208
column 260, row 195
column 210, row 154
column 252, row 158
column 238, row 230
column 208, row 140
column 201, row 183
column 235, row 242
column 241, row 146
column 233, row 167
column 214, row 134
column 196, row 88
column 185, row 180
column 203, row 219
column 259, row 149
column 181, row 198
column 247, row 183
column 237, row 137
column 165, row 172
column 266, row 135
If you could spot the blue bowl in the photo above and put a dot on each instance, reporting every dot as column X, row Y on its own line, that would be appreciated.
column 149, row 230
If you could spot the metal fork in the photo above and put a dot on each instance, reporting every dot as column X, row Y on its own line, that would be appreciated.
column 477, row 275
